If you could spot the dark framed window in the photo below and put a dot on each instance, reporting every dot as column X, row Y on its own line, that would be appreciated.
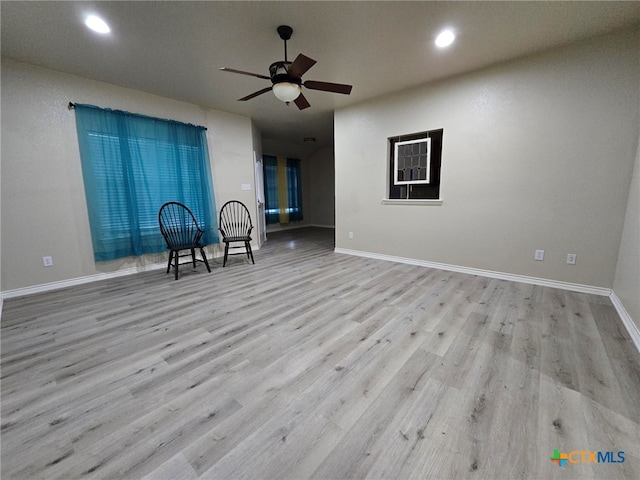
column 414, row 166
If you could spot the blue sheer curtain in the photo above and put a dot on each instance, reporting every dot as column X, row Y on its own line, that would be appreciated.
column 132, row 164
column 294, row 190
column 272, row 210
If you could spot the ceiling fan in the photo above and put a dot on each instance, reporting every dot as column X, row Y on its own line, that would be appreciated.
column 286, row 77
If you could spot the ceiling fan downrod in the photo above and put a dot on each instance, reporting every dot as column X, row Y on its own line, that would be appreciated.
column 285, row 32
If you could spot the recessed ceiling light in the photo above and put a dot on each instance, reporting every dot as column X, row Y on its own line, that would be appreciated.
column 97, row 24
column 445, row 38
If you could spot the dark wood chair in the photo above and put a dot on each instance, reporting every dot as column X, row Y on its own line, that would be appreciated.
column 235, row 226
column 181, row 232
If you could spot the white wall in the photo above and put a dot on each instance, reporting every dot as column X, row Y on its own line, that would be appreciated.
column 231, row 146
column 627, row 279
column 537, row 154
column 42, row 193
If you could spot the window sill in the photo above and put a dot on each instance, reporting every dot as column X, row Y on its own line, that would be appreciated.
column 399, row 201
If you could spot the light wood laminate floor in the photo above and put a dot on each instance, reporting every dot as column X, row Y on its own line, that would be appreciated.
column 312, row 364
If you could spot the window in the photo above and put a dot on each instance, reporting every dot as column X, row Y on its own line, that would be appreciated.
column 132, row 165
column 412, row 160
column 414, row 166
column 282, row 189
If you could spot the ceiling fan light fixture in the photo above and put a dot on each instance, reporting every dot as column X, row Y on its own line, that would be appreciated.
column 286, row 91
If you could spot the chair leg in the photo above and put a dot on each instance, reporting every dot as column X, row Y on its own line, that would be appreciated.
column 226, row 252
column 249, row 251
column 193, row 257
column 170, row 259
column 176, row 257
column 204, row 259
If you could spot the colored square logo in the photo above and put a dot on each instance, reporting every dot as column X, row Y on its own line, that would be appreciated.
column 559, row 458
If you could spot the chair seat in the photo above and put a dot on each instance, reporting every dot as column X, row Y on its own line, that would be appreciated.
column 245, row 238
column 186, row 246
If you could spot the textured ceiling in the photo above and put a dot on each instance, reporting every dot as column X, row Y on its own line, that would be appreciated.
column 175, row 49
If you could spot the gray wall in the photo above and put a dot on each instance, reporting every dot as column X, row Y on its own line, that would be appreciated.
column 537, row 154
column 321, row 166
column 627, row 280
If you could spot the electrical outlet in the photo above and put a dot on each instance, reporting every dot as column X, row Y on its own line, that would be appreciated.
column 539, row 255
column 350, row 235
column 571, row 258
column 47, row 261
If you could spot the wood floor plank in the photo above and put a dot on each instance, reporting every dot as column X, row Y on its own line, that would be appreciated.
column 176, row 468
column 622, row 355
column 387, row 431
column 313, row 364
column 561, row 426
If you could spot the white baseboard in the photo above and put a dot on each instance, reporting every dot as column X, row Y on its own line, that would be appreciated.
column 282, row 229
column 45, row 287
column 293, row 227
column 576, row 287
column 628, row 322
column 322, row 226
column 286, row 227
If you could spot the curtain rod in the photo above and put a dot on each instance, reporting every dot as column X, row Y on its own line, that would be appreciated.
column 72, row 106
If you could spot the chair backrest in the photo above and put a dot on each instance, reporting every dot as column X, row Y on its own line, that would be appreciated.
column 235, row 220
column 178, row 226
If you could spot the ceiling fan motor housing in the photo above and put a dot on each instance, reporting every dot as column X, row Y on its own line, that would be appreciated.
column 279, row 72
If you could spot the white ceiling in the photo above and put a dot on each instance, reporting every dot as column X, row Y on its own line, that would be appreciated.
column 175, row 49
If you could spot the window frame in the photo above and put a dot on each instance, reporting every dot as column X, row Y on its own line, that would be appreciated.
column 396, row 156
column 416, row 193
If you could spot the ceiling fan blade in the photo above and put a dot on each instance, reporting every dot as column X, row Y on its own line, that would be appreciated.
column 300, row 65
column 301, row 102
column 232, row 70
column 328, row 87
column 254, row 94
